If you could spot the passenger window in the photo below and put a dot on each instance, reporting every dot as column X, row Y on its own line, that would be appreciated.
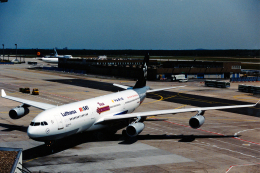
column 42, row 123
column 45, row 123
column 36, row 124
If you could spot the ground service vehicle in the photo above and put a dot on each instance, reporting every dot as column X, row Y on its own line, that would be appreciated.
column 35, row 91
column 24, row 90
column 218, row 84
column 180, row 78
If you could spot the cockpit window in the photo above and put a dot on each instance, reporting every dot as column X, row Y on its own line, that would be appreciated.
column 44, row 123
column 36, row 124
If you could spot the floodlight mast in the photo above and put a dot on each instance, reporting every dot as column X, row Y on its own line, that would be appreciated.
column 3, row 51
column 16, row 51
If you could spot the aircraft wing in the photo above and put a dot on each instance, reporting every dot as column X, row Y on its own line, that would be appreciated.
column 169, row 111
column 39, row 105
column 161, row 89
column 148, row 91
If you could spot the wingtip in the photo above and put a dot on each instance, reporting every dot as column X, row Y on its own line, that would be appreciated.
column 3, row 94
column 257, row 102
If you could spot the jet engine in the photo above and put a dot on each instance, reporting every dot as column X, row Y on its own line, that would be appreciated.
column 134, row 129
column 18, row 112
column 197, row 120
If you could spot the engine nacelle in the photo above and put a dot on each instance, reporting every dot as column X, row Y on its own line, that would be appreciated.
column 197, row 121
column 134, row 129
column 18, row 112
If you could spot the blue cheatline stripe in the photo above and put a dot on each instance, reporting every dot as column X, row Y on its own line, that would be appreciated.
column 124, row 112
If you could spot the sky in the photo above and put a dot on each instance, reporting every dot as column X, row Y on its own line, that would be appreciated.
column 131, row 24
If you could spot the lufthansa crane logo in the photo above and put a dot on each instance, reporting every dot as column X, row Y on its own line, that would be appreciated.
column 47, row 131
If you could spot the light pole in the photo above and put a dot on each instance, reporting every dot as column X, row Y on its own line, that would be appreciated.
column 3, row 52
column 16, row 51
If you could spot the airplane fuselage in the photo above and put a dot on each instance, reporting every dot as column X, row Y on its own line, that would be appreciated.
column 50, row 60
column 55, row 59
column 63, row 56
column 69, row 119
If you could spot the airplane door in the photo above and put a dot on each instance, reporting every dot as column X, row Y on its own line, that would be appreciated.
column 59, row 120
column 88, row 120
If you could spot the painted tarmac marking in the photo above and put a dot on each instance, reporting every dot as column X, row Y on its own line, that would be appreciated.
column 244, row 95
column 161, row 98
column 247, row 144
column 241, row 165
column 237, row 145
column 30, row 160
column 244, row 131
column 215, row 146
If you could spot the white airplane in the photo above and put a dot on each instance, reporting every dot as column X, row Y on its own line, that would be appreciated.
column 61, row 56
column 55, row 58
column 108, row 113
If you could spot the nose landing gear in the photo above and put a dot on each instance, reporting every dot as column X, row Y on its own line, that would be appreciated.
column 50, row 145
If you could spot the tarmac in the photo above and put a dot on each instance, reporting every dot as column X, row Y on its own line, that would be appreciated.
column 229, row 140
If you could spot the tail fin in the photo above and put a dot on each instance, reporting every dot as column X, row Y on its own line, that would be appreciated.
column 55, row 52
column 141, row 82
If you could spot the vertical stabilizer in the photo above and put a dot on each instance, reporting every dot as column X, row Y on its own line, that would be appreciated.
column 3, row 94
column 141, row 82
column 55, row 52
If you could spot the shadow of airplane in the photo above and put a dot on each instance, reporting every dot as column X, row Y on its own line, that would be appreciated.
column 13, row 127
column 183, row 138
column 75, row 140
column 63, row 144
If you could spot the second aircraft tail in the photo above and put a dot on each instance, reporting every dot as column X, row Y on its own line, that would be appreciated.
column 141, row 82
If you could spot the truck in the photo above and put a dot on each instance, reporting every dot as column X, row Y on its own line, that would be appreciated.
column 179, row 77
column 24, row 90
column 35, row 91
column 222, row 84
column 249, row 88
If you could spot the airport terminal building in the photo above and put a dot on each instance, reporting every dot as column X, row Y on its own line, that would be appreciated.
column 156, row 70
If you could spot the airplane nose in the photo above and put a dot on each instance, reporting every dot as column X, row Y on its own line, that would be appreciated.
column 31, row 132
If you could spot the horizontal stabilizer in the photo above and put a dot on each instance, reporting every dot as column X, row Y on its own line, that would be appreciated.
column 123, row 86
